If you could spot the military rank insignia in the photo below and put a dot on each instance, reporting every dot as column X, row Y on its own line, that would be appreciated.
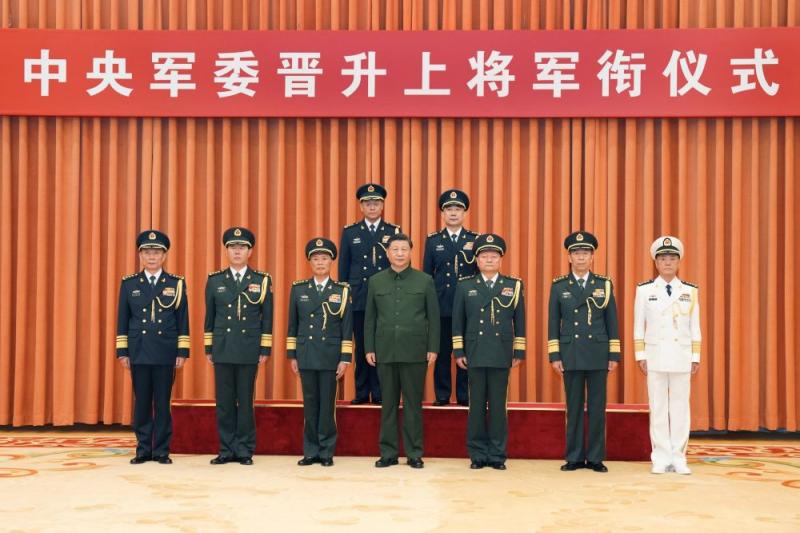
column 136, row 293
column 385, row 238
column 508, row 291
column 599, row 293
column 335, row 298
column 254, row 287
column 684, row 298
column 469, row 245
column 653, row 298
column 169, row 291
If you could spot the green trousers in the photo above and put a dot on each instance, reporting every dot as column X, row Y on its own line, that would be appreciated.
column 319, row 412
column 588, row 385
column 487, row 424
column 408, row 380
column 236, row 422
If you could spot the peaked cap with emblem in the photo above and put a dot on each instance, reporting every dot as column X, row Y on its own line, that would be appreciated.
column 238, row 235
column 580, row 240
column 371, row 191
column 666, row 244
column 490, row 242
column 453, row 197
column 152, row 238
column 320, row 244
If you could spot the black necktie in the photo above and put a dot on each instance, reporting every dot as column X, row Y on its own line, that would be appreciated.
column 372, row 228
column 454, row 237
column 669, row 289
column 238, row 278
column 320, row 287
column 581, row 281
column 490, row 283
column 152, row 282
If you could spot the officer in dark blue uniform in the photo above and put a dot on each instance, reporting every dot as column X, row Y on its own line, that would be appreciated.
column 449, row 255
column 583, row 343
column 152, row 341
column 363, row 253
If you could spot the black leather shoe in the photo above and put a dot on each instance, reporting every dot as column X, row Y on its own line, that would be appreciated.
column 163, row 460
column 326, row 461
column 439, row 403
column 415, row 462
column 570, row 466
column 597, row 467
column 463, row 403
column 305, row 461
column 377, row 402
column 358, row 401
column 247, row 461
column 477, row 465
column 221, row 460
column 497, row 465
column 139, row 459
column 383, row 462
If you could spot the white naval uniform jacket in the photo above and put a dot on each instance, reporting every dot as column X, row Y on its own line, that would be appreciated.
column 666, row 329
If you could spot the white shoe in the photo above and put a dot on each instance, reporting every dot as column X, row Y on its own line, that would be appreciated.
column 657, row 469
column 683, row 470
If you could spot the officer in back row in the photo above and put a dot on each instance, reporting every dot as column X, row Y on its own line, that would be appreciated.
column 583, row 343
column 238, row 338
column 488, row 340
column 152, row 341
column 319, row 345
column 363, row 253
column 449, row 255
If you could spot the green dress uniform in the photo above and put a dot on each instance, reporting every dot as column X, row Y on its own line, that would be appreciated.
column 489, row 331
column 320, row 336
column 238, row 330
column 583, row 334
column 401, row 326
column 448, row 258
column 152, row 331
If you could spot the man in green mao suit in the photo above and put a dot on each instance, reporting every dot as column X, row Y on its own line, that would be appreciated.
column 319, row 345
column 238, row 337
column 583, row 343
column 488, row 340
column 401, row 336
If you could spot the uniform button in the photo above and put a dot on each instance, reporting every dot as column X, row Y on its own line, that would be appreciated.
column 310, row 338
column 365, row 256
column 159, row 321
column 311, row 326
column 144, row 309
column 448, row 264
column 576, row 310
column 576, row 336
column 312, row 315
column 448, row 285
column 159, row 333
column 590, row 336
column 481, row 321
column 244, row 318
column 242, row 331
column 229, row 305
column 480, row 333
column 365, row 268
column 483, row 310
column 245, row 306
column 144, row 320
column 448, row 274
column 229, row 329
column 144, row 332
column 365, row 279
column 497, row 334
column 323, row 338
column 229, row 317
column 576, row 323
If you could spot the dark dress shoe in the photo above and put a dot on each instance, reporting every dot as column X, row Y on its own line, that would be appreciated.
column 383, row 462
column 305, row 461
column 463, row 403
column 477, row 465
column 597, row 467
column 247, row 461
column 326, row 461
column 163, row 460
column 139, row 459
column 221, row 460
column 358, row 401
column 377, row 402
column 569, row 466
column 439, row 403
column 497, row 465
column 415, row 462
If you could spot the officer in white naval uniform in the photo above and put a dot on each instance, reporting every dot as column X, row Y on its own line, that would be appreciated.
column 666, row 336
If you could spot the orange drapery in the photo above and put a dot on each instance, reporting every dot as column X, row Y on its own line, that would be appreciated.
column 75, row 191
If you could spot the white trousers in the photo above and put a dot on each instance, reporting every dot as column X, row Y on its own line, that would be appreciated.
column 670, row 419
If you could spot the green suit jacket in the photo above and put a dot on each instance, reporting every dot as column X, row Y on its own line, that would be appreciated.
column 489, row 324
column 401, row 322
column 320, row 325
column 238, row 326
column 582, row 327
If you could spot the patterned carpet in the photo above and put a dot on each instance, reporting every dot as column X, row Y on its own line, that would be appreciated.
column 63, row 481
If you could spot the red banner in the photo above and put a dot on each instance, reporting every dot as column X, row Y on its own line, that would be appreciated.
column 614, row 73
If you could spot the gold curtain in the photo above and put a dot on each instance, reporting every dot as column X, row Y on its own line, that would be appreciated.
column 74, row 192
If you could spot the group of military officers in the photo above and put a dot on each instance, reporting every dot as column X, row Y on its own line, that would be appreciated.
column 404, row 320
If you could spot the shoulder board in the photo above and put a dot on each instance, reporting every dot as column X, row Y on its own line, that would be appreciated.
column 176, row 276
column 341, row 283
column 217, row 273
column 689, row 284
column 601, row 276
column 648, row 282
column 470, row 232
column 130, row 276
column 300, row 281
column 464, row 278
column 431, row 234
column 353, row 225
column 260, row 273
column 560, row 278
column 512, row 277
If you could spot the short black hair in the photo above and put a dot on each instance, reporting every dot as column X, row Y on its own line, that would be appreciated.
column 400, row 237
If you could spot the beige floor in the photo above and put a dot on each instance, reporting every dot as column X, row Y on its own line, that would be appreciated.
column 95, row 489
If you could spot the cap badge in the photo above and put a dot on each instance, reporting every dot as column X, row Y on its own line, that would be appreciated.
column 667, row 242
column 579, row 237
column 489, row 239
column 319, row 242
column 453, row 194
column 152, row 236
column 371, row 188
column 237, row 232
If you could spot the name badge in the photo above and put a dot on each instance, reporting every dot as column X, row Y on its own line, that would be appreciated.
column 440, row 247
column 653, row 298
column 472, row 292
column 169, row 291
column 220, row 289
column 335, row 298
column 508, row 291
column 357, row 240
column 303, row 298
column 136, row 292
column 254, row 287
column 566, row 294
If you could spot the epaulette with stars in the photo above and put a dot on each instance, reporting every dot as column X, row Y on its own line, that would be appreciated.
column 301, row 281
column 560, row 278
column 433, row 233
column 130, row 276
column 464, row 278
column 513, row 277
column 354, row 224
column 260, row 273
column 648, row 282
column 689, row 284
column 216, row 273
column 342, row 283
column 176, row 276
